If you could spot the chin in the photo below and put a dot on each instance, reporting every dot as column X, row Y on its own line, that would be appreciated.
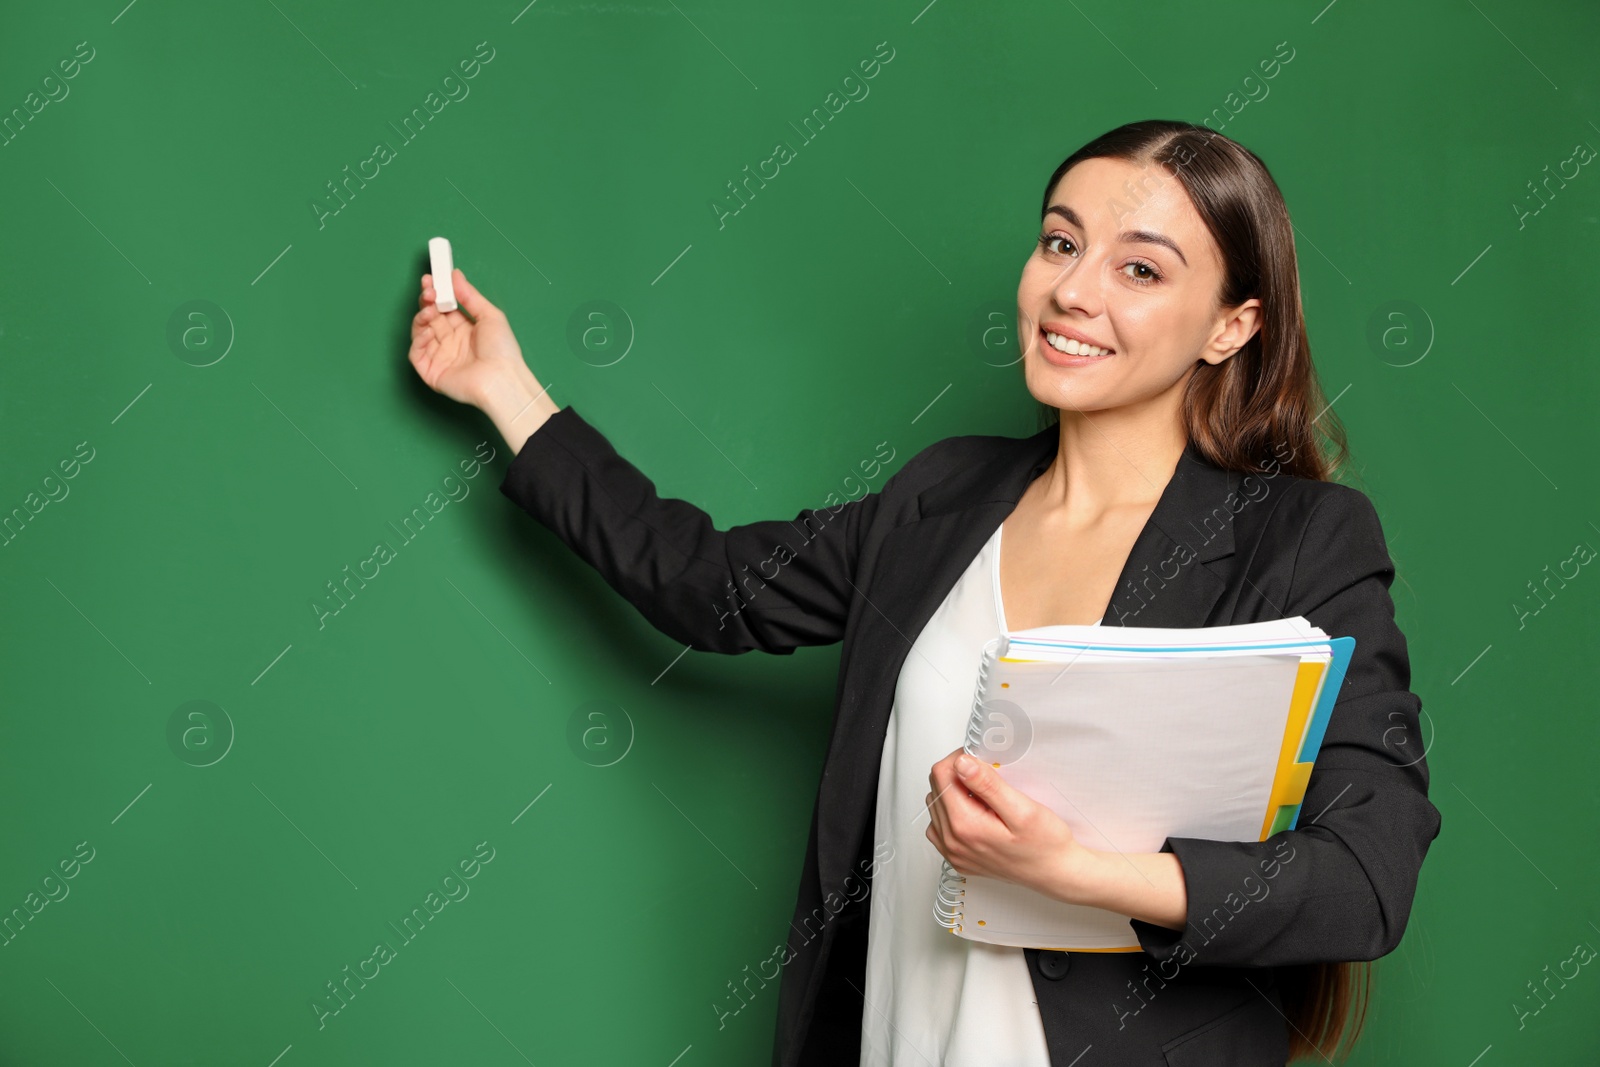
column 1066, row 398
column 1065, row 387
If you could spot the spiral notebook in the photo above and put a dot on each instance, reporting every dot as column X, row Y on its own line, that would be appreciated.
column 1133, row 735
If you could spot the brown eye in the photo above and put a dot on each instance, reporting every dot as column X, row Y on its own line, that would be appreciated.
column 1150, row 276
column 1048, row 241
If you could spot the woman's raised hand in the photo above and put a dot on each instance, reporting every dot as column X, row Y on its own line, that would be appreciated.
column 477, row 362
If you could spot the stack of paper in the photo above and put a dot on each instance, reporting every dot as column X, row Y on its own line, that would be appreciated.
column 1133, row 735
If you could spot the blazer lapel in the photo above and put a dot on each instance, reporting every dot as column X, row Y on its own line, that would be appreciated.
column 1164, row 583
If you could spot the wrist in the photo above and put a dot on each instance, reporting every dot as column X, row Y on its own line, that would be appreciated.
column 1079, row 877
column 517, row 405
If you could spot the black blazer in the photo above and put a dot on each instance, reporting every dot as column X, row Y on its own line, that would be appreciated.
column 1220, row 547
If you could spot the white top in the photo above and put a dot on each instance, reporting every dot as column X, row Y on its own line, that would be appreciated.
column 933, row 998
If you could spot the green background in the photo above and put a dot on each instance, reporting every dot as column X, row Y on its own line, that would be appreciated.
column 768, row 357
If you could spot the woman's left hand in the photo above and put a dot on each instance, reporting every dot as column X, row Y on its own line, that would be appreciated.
column 986, row 827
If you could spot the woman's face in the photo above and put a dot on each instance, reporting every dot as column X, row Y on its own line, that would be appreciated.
column 1125, row 263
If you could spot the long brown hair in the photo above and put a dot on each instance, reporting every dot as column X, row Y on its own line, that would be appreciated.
column 1237, row 412
column 1242, row 412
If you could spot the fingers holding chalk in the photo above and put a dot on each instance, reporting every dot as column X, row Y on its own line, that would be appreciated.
column 474, row 302
column 421, row 322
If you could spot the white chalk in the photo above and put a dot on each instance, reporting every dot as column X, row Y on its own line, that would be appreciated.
column 440, row 260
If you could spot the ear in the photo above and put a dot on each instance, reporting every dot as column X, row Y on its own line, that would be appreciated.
column 1236, row 328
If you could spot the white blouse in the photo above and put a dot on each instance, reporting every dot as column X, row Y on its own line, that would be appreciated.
column 933, row 998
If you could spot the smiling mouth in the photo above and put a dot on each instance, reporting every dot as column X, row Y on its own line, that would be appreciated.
column 1068, row 349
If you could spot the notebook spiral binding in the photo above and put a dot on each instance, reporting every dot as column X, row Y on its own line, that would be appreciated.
column 947, row 908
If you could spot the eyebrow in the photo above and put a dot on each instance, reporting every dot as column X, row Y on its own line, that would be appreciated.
column 1148, row 237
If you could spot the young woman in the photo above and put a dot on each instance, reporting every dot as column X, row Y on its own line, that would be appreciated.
column 1184, row 483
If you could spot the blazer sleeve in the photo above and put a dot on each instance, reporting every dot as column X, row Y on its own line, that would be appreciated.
column 1339, row 887
column 770, row 586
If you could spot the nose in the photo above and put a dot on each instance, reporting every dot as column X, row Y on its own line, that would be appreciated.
column 1079, row 284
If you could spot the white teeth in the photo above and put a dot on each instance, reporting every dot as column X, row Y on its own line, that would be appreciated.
column 1072, row 347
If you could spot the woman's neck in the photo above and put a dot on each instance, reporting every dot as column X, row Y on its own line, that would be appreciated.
column 1111, row 460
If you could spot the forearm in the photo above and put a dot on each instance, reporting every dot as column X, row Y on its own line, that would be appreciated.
column 517, row 405
column 1148, row 886
column 769, row 585
column 1302, row 896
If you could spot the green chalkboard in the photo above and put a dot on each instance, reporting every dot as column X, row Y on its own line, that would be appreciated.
column 220, row 794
